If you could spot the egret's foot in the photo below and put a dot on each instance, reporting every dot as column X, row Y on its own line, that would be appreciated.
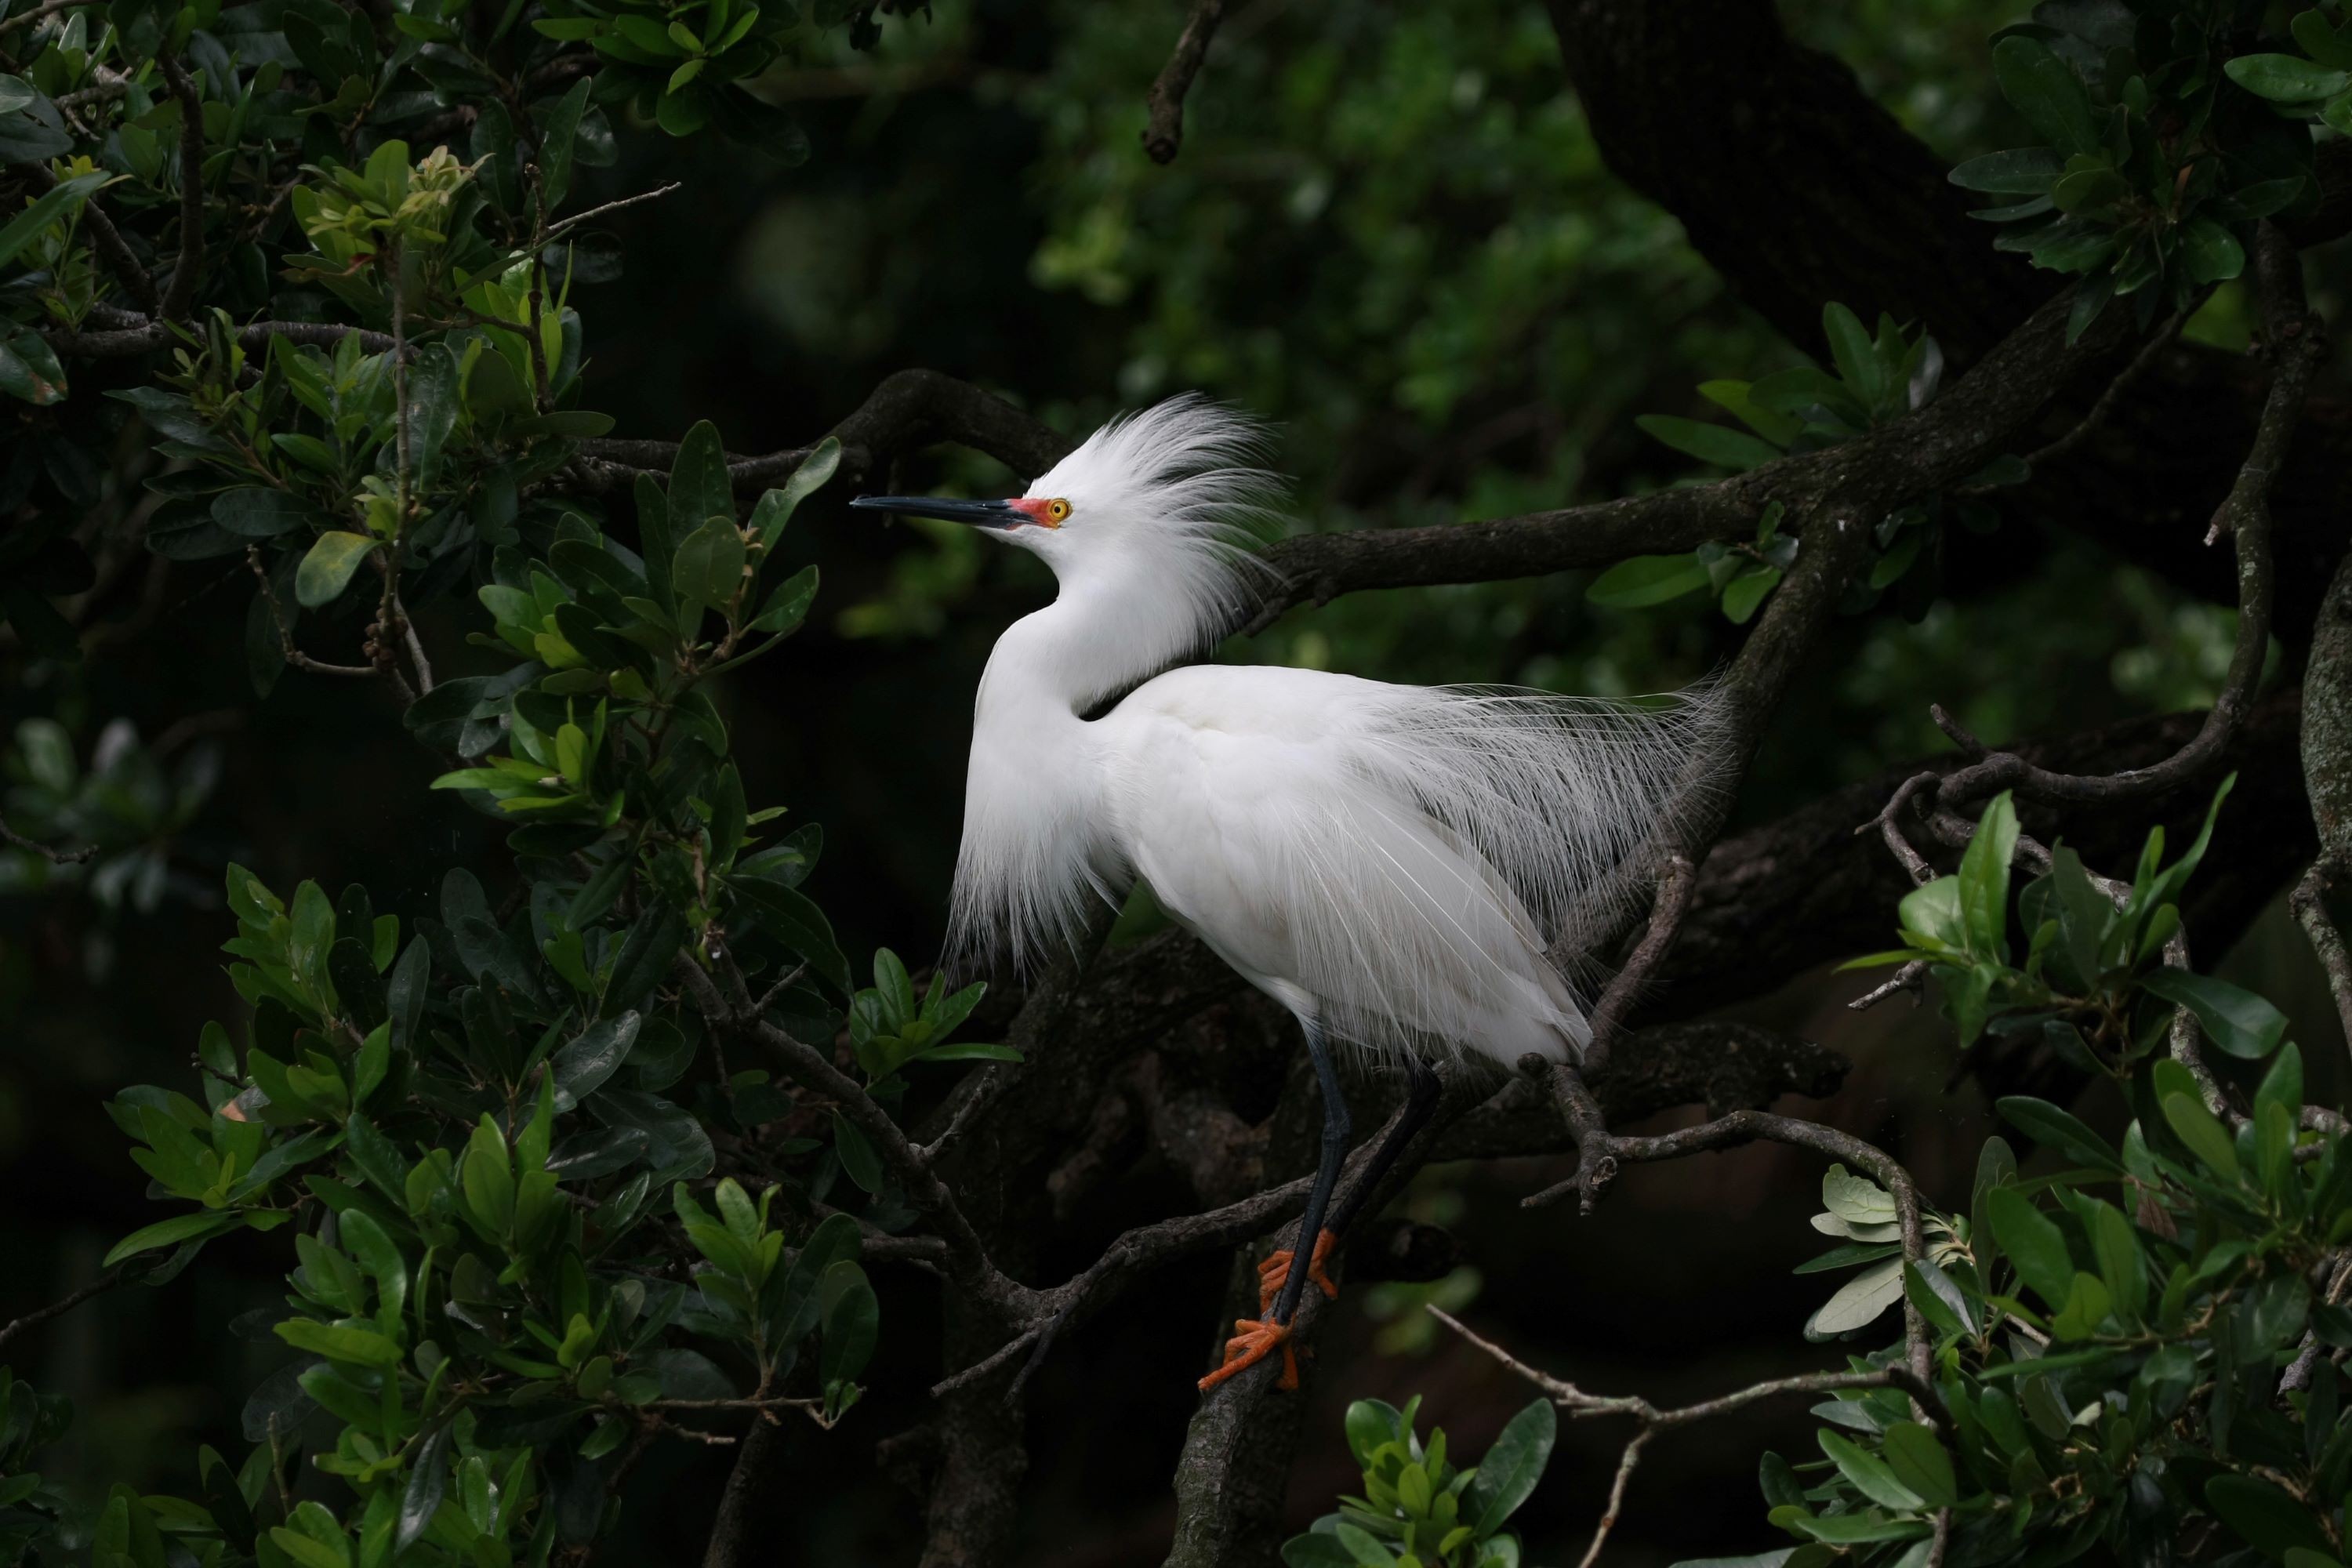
column 1255, row 1341
column 1275, row 1272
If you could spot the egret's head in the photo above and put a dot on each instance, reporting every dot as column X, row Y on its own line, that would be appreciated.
column 1174, row 488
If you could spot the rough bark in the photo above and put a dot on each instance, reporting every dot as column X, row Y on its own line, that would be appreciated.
column 2327, row 719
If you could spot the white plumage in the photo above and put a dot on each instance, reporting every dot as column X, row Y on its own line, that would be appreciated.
column 1388, row 862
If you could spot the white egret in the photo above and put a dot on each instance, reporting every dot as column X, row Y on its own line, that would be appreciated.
column 1387, row 862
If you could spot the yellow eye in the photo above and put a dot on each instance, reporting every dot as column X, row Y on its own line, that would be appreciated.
column 1057, row 508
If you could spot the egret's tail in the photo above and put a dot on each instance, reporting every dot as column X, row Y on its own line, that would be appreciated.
column 1507, row 831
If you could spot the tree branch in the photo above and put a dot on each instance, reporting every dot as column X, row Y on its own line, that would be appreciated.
column 128, row 343
column 180, row 294
column 730, row 1546
column 2296, row 342
column 292, row 654
column 1165, row 134
column 99, row 1286
column 104, row 236
column 1650, row 1420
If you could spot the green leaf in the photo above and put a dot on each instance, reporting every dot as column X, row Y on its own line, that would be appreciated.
column 1746, row 592
column 789, row 604
column 362, row 1347
column 1850, row 348
column 1715, row 444
column 2265, row 1516
column 700, row 485
column 1506, row 1477
column 2045, row 90
column 1858, row 1302
column 1984, row 878
column 1934, row 909
column 857, row 1155
column 851, row 1317
column 709, row 567
column 2026, row 171
column 328, row 567
column 2213, row 252
column 1647, row 580
column 60, row 201
column 2089, row 191
column 29, row 370
column 557, row 142
column 2122, row 1263
column 170, row 1232
column 582, row 1067
column 2045, row 1123
column 967, row 1053
column 1868, row 1474
column 646, row 952
column 1776, row 426
column 2237, row 1020
column 2086, row 1306
column 2204, row 1132
column 2033, row 1242
column 2287, row 78
column 798, row 923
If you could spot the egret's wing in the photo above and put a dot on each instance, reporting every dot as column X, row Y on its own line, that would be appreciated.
column 1400, row 853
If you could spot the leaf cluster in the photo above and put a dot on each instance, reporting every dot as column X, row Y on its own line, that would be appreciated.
column 2157, row 152
column 1879, row 377
column 1419, row 1509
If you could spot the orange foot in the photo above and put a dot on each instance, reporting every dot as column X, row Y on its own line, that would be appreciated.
column 1252, row 1345
column 1275, row 1272
column 1257, row 1338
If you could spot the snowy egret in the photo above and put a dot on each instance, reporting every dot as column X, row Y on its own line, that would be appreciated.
column 1388, row 862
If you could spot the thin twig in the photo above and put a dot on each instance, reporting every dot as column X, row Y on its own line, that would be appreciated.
column 1651, row 1420
column 2295, row 340
column 126, row 342
column 1165, row 101
column 1617, row 999
column 180, row 296
column 104, row 236
column 2084, row 428
column 104, row 1282
column 46, row 8
column 1601, row 1153
column 559, row 230
column 34, row 846
column 295, row 656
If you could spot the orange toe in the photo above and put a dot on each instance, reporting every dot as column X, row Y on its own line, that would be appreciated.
column 1275, row 1272
column 1323, row 1242
column 1255, row 1341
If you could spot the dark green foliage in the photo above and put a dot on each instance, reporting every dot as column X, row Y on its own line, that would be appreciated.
column 1419, row 1507
column 1879, row 379
column 2158, row 150
column 2110, row 1343
column 468, row 1129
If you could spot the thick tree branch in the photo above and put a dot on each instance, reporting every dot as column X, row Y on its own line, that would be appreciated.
column 1798, row 190
column 730, row 1543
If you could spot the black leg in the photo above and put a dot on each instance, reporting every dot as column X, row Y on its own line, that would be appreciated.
column 1326, row 1174
column 1420, row 1092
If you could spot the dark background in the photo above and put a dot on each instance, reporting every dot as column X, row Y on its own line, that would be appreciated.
column 1389, row 233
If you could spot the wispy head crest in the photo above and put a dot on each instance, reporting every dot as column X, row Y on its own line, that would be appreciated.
column 1188, row 464
column 1171, row 505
